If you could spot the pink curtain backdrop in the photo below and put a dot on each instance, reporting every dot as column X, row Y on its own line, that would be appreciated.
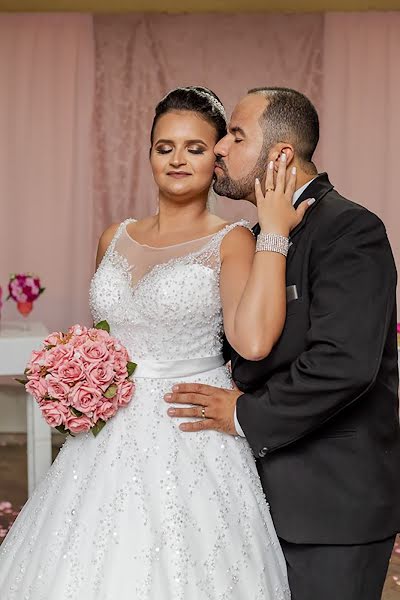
column 139, row 58
column 56, row 195
column 361, row 114
column 46, row 208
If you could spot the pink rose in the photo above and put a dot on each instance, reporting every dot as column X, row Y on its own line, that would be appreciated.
column 71, row 371
column 101, row 375
column 57, row 356
column 98, row 335
column 37, row 387
column 125, row 392
column 53, row 339
column 57, row 389
column 78, row 424
column 37, row 361
column 84, row 397
column 105, row 410
column 54, row 413
column 78, row 330
column 93, row 352
column 120, row 368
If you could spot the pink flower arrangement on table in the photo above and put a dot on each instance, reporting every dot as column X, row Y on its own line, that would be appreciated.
column 80, row 378
column 24, row 289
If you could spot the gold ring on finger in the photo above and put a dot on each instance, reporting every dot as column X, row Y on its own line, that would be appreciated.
column 270, row 189
column 203, row 412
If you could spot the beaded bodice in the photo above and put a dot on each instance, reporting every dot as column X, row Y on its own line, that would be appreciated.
column 162, row 303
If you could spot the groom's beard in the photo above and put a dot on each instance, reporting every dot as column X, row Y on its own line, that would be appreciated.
column 237, row 189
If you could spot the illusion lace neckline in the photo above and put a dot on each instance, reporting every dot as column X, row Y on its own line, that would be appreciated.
column 204, row 237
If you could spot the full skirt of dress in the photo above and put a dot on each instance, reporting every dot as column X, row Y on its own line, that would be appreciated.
column 145, row 511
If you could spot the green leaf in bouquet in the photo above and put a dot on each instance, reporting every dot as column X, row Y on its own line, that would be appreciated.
column 98, row 427
column 103, row 325
column 76, row 412
column 110, row 391
column 62, row 429
column 23, row 381
column 131, row 366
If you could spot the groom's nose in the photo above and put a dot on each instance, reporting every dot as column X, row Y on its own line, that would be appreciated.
column 221, row 148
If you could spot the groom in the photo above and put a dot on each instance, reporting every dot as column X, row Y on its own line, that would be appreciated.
column 321, row 411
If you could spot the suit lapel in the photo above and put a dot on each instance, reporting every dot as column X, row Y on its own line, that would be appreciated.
column 317, row 189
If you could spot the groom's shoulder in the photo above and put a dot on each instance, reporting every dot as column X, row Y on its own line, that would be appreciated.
column 336, row 213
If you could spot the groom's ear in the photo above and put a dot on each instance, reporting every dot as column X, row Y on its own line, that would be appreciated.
column 277, row 154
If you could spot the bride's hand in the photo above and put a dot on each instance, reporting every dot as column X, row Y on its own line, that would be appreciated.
column 276, row 213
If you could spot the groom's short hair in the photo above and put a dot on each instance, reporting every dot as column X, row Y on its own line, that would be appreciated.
column 289, row 117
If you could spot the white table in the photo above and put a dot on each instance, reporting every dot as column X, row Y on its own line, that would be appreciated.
column 17, row 340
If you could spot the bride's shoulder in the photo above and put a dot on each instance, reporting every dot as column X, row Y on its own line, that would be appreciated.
column 238, row 239
column 105, row 240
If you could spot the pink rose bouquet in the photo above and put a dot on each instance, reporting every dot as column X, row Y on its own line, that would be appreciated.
column 80, row 378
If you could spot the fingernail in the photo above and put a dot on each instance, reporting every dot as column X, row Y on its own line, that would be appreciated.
column 183, row 427
column 271, row 165
column 167, row 397
column 283, row 157
column 257, row 181
column 294, row 170
column 171, row 411
column 175, row 388
column 310, row 201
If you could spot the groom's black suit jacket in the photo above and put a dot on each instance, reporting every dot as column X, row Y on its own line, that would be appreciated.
column 321, row 411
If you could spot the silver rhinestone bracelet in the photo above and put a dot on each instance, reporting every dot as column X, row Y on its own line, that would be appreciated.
column 272, row 242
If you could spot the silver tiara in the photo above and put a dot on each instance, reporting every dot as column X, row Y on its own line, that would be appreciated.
column 219, row 107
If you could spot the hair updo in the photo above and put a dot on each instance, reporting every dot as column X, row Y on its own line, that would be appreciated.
column 194, row 99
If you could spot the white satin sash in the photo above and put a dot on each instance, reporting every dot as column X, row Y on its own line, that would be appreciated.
column 172, row 369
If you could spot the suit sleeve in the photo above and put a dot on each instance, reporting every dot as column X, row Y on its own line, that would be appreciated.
column 352, row 287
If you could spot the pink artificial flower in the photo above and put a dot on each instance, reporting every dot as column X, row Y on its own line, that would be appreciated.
column 37, row 361
column 78, row 330
column 55, row 413
column 105, row 410
column 120, row 368
column 57, row 356
column 54, row 339
column 57, row 389
column 98, row 335
column 101, row 375
column 78, row 424
column 93, row 352
column 71, row 371
column 125, row 392
column 84, row 397
column 37, row 387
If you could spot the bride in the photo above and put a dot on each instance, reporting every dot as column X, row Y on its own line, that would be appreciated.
column 145, row 511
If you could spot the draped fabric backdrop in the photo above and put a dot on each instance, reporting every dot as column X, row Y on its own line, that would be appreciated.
column 361, row 113
column 76, row 103
column 46, row 207
column 139, row 58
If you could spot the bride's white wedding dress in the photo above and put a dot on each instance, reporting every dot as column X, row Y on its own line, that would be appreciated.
column 146, row 511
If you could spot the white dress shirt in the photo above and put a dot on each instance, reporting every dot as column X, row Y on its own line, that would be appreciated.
column 296, row 196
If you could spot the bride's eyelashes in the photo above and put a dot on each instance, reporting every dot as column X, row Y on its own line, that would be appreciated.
column 167, row 150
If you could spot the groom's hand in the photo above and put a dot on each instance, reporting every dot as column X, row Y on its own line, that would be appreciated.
column 214, row 406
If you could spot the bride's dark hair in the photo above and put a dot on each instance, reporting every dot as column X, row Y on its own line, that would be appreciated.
column 197, row 99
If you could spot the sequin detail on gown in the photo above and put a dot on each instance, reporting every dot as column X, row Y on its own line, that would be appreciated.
column 145, row 511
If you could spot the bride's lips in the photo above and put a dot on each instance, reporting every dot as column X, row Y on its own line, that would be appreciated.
column 217, row 167
column 178, row 174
